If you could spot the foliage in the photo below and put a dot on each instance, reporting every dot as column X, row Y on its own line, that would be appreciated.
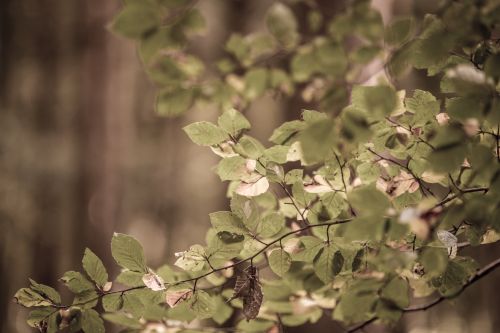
column 380, row 187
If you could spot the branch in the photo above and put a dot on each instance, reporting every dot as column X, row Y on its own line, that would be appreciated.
column 423, row 307
column 253, row 256
column 422, row 187
column 213, row 270
column 290, row 196
column 456, row 195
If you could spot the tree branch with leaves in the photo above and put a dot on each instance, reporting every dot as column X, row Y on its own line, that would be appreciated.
column 351, row 211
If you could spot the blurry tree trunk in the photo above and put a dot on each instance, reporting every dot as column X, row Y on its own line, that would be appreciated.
column 82, row 153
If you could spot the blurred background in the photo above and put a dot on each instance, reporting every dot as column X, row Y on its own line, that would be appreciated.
column 82, row 153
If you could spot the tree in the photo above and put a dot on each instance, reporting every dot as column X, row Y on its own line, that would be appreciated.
column 354, row 210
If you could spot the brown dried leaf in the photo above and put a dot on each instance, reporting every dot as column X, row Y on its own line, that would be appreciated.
column 173, row 298
column 253, row 300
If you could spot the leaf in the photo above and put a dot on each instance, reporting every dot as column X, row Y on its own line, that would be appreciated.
column 95, row 268
column 396, row 291
column 249, row 147
column 223, row 311
column 128, row 253
column 270, row 224
column 233, row 122
column 135, row 20
column 192, row 260
column 122, row 319
column 92, row 322
column 280, row 262
column 368, row 201
column 252, row 301
column 175, row 297
column 153, row 281
column 317, row 140
column 227, row 221
column 455, row 277
column 39, row 315
column 256, row 82
column 247, row 287
column 286, row 131
column 377, row 101
column 253, row 189
column 112, row 302
column 434, row 261
column 399, row 31
column 328, row 263
column 355, row 307
column 232, row 168
column 30, row 298
column 130, row 278
column 46, row 291
column 174, row 102
column 423, row 105
column 282, row 24
column 76, row 282
column 204, row 133
column 450, row 241
column 202, row 304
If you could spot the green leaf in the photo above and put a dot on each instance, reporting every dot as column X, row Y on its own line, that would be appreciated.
column 328, row 263
column 122, row 319
column 271, row 224
column 112, row 302
column 233, row 122
column 286, row 131
column 192, row 260
column 423, row 105
column 77, row 282
column 128, row 253
column 367, row 200
column 399, row 31
column 317, row 140
column 280, row 262
column 172, row 103
column 37, row 316
column 396, row 291
column 30, row 298
column 455, row 277
column 377, row 101
column 130, row 278
column 204, row 133
column 232, row 168
column 222, row 311
column 256, row 82
column 303, row 65
column 355, row 307
column 95, row 268
column 282, row 24
column 46, row 291
column 249, row 147
column 202, row 304
column 450, row 150
column 135, row 20
column 91, row 322
column 277, row 154
column 434, row 260
column 227, row 221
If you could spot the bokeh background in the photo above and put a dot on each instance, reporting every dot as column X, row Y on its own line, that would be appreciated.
column 82, row 153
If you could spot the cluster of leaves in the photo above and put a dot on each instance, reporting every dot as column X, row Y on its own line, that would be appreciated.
column 353, row 211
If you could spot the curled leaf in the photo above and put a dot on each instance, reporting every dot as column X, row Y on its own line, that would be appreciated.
column 450, row 241
column 153, row 281
column 174, row 298
column 253, row 189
